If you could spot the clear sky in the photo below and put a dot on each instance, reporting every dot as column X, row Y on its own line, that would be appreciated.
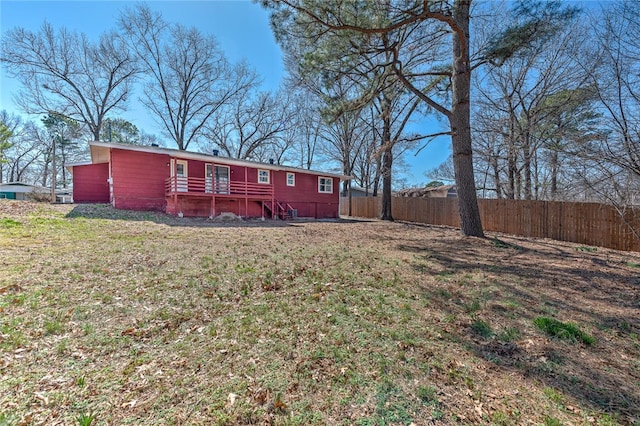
column 240, row 26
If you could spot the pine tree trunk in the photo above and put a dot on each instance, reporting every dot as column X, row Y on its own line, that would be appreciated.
column 387, row 162
column 527, row 166
column 470, row 223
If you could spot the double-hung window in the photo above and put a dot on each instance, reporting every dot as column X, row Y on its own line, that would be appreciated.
column 291, row 179
column 263, row 176
column 325, row 185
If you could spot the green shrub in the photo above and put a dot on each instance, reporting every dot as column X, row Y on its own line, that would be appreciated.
column 482, row 328
column 9, row 223
column 567, row 331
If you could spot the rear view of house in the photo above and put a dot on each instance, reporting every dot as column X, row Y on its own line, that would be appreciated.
column 193, row 184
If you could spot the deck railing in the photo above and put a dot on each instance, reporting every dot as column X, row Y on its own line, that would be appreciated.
column 177, row 185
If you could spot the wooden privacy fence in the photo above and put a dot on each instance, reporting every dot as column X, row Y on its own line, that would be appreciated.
column 583, row 223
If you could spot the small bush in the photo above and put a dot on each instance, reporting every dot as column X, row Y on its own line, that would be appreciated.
column 9, row 223
column 567, row 331
column 509, row 334
column 39, row 197
column 427, row 394
column 499, row 243
column 85, row 419
column 551, row 421
column 482, row 328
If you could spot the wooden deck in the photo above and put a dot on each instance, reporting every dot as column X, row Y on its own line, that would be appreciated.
column 183, row 188
column 206, row 187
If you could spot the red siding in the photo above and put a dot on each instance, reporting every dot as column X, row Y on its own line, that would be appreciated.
column 90, row 183
column 304, row 196
column 139, row 179
column 139, row 184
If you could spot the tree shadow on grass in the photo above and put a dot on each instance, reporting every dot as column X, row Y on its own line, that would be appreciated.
column 106, row 211
column 513, row 281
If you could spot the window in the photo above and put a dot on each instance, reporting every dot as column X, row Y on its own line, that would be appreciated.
column 325, row 185
column 216, row 177
column 221, row 175
column 263, row 176
column 291, row 179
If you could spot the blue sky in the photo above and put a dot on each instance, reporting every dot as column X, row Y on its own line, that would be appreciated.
column 240, row 26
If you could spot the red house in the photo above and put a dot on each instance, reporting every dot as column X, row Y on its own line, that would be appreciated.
column 194, row 184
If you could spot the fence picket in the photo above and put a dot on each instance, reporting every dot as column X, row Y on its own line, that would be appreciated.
column 582, row 223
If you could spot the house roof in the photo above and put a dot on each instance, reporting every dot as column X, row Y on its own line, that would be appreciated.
column 100, row 152
column 21, row 187
column 418, row 192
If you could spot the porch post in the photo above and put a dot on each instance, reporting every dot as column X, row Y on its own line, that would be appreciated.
column 246, row 193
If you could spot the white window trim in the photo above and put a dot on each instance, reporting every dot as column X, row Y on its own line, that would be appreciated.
column 320, row 185
column 293, row 179
column 268, row 176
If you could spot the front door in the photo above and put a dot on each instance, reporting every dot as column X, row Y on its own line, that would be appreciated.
column 181, row 176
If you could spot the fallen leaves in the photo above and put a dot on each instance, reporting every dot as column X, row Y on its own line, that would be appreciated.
column 11, row 288
column 318, row 321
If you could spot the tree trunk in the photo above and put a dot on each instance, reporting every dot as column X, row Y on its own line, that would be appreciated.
column 350, row 212
column 63, row 154
column 346, row 187
column 527, row 165
column 45, row 172
column 496, row 176
column 554, row 175
column 376, row 180
column 54, row 172
column 460, row 120
column 387, row 159
column 387, row 162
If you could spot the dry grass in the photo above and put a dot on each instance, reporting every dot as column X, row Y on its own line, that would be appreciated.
column 138, row 318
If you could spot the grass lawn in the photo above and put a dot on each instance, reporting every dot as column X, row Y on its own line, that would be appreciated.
column 110, row 317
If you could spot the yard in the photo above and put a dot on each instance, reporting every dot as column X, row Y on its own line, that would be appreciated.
column 139, row 318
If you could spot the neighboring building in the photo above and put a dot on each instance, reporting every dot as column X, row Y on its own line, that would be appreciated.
column 193, row 184
column 21, row 191
column 444, row 191
column 64, row 195
column 359, row 192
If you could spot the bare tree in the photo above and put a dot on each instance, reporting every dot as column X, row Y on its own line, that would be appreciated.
column 367, row 30
column 188, row 77
column 24, row 159
column 64, row 133
column 8, row 125
column 371, row 91
column 349, row 20
column 64, row 71
column 528, row 110
column 610, row 163
column 251, row 125
column 307, row 126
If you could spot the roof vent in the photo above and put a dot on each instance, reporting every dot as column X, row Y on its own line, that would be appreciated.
column 271, row 161
column 215, row 152
column 155, row 144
